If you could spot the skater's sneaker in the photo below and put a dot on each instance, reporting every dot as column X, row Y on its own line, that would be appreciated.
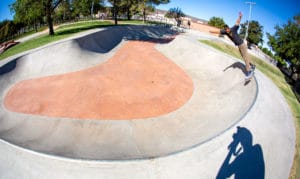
column 252, row 67
column 249, row 75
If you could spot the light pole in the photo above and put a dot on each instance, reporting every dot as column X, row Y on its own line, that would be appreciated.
column 250, row 3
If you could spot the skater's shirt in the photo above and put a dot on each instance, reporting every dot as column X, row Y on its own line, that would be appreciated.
column 233, row 34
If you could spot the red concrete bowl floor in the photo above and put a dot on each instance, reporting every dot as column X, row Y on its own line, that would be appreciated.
column 137, row 82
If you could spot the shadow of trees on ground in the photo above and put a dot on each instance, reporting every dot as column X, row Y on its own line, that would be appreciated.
column 107, row 39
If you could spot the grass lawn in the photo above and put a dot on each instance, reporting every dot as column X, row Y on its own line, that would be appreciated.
column 279, row 80
column 81, row 26
column 62, row 32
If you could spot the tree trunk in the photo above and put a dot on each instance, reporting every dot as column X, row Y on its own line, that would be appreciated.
column 49, row 18
column 128, row 14
column 144, row 14
column 35, row 26
column 116, row 16
column 115, row 6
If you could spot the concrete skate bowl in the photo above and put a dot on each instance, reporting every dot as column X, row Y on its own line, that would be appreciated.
column 213, row 92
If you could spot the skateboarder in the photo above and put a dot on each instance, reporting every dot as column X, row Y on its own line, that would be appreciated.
column 236, row 39
column 189, row 24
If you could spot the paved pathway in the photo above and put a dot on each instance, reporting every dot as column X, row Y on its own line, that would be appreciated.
column 29, row 37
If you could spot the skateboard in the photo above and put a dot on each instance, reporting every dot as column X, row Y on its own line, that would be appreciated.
column 247, row 80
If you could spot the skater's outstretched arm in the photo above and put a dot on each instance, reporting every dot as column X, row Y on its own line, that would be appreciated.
column 214, row 31
column 238, row 21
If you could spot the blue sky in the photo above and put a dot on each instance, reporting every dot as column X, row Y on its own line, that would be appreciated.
column 267, row 12
column 4, row 9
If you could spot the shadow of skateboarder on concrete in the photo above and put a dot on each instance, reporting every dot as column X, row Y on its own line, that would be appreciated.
column 241, row 66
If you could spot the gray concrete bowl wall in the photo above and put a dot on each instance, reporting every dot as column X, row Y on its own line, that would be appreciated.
column 219, row 101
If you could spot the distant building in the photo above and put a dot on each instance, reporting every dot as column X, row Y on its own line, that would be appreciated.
column 159, row 16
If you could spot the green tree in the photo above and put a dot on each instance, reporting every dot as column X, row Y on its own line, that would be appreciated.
column 149, row 5
column 255, row 32
column 129, row 7
column 175, row 13
column 63, row 11
column 116, row 6
column 86, row 7
column 286, row 44
column 267, row 51
column 216, row 22
column 7, row 30
column 28, row 11
column 50, row 7
column 31, row 10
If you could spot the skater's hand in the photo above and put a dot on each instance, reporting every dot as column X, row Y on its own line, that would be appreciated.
column 240, row 14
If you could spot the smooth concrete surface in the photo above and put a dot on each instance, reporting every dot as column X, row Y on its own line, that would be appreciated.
column 209, row 111
column 188, row 143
